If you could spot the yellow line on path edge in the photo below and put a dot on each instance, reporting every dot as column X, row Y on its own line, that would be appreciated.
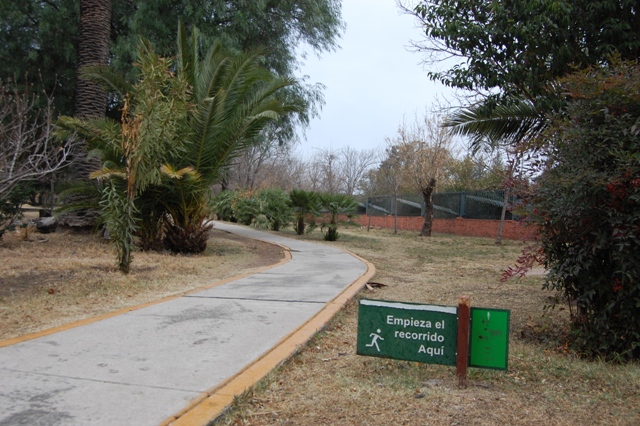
column 49, row 331
column 215, row 402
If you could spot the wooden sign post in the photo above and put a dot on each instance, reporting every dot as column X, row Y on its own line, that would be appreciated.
column 462, row 359
column 433, row 334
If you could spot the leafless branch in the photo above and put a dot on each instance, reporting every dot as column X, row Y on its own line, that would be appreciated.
column 28, row 149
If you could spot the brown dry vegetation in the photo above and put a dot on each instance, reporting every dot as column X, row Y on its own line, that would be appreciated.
column 48, row 280
column 326, row 383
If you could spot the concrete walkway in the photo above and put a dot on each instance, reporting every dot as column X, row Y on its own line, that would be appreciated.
column 183, row 360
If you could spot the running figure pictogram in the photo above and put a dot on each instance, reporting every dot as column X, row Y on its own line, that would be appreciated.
column 374, row 340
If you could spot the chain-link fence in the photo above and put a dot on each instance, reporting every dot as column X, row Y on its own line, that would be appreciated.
column 447, row 205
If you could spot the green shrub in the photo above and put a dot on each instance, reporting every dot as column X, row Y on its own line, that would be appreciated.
column 337, row 205
column 246, row 207
column 10, row 207
column 222, row 206
column 587, row 206
column 269, row 208
column 275, row 206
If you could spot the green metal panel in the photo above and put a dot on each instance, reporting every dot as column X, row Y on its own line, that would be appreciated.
column 489, row 338
column 408, row 331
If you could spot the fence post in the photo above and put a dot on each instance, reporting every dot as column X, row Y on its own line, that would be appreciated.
column 462, row 359
column 463, row 200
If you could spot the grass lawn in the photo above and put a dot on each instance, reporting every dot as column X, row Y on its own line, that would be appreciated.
column 326, row 383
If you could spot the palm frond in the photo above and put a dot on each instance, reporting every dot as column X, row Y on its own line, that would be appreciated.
column 108, row 78
column 187, row 53
column 108, row 173
column 236, row 100
column 172, row 173
column 99, row 133
column 504, row 124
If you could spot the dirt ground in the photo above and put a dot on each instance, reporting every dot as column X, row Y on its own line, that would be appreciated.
column 47, row 280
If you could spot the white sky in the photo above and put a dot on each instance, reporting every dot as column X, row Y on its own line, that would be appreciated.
column 372, row 82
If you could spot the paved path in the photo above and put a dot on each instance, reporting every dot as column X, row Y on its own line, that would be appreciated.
column 147, row 365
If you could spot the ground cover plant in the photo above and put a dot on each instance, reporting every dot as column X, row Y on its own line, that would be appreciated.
column 326, row 383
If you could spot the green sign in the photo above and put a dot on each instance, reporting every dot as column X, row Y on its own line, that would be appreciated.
column 408, row 331
column 489, row 338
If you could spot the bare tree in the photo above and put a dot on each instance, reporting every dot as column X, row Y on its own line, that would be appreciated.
column 312, row 179
column 423, row 149
column 252, row 167
column 330, row 168
column 514, row 160
column 388, row 179
column 28, row 150
column 355, row 165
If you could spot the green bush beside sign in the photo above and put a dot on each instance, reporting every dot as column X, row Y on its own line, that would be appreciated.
column 407, row 331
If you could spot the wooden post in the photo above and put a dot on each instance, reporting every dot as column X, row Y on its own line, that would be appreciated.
column 462, row 359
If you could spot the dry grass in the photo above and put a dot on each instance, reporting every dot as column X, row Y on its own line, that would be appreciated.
column 328, row 384
column 53, row 279
column 71, row 276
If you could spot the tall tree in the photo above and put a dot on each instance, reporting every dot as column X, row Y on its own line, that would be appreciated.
column 423, row 150
column 38, row 46
column 41, row 37
column 327, row 171
column 475, row 172
column 90, row 98
column 355, row 164
column 519, row 46
column 387, row 179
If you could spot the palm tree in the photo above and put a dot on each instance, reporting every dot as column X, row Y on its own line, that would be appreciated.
column 304, row 203
column 132, row 149
column 178, row 131
column 93, row 49
column 337, row 205
column 236, row 97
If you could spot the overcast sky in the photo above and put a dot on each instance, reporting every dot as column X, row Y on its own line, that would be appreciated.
column 371, row 82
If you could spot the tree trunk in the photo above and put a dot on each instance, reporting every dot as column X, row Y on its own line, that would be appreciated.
column 91, row 100
column 93, row 49
column 395, row 213
column 503, row 214
column 427, row 195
